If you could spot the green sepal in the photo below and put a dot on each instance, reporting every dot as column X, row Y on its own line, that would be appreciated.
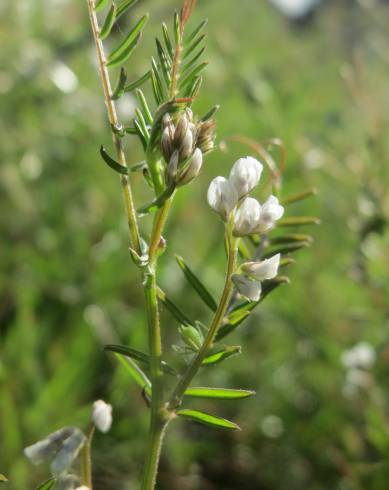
column 219, row 393
column 207, row 419
column 173, row 308
column 120, row 86
column 124, row 6
column 138, row 83
column 100, row 4
column 121, row 169
column 157, row 203
column 299, row 221
column 221, row 355
column 47, row 484
column 197, row 285
column 108, row 23
column 138, row 356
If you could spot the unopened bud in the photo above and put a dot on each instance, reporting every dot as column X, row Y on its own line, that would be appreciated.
column 102, row 415
column 245, row 175
column 166, row 144
column 193, row 169
column 171, row 171
column 192, row 337
column 186, row 147
column 180, row 131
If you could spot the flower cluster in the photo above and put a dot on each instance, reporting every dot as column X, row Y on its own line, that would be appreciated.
column 229, row 198
column 183, row 145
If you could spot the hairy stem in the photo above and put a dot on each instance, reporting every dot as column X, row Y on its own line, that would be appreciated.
column 232, row 251
column 87, row 458
column 113, row 119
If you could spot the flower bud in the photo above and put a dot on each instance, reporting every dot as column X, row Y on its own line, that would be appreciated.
column 266, row 269
column 206, row 136
column 192, row 337
column 247, row 217
column 186, row 147
column 271, row 211
column 102, row 416
column 166, row 144
column 247, row 287
column 245, row 175
column 181, row 130
column 193, row 169
column 222, row 197
column 172, row 168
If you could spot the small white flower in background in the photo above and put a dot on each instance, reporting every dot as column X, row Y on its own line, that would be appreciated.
column 271, row 211
column 222, row 197
column 48, row 447
column 266, row 269
column 63, row 77
column 362, row 355
column 68, row 453
column 247, row 287
column 83, row 487
column 245, row 175
column 247, row 217
column 102, row 415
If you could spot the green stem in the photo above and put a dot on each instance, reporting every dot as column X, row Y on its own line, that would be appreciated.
column 87, row 458
column 232, row 251
column 114, row 121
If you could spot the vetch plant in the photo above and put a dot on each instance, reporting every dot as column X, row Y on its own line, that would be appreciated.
column 175, row 142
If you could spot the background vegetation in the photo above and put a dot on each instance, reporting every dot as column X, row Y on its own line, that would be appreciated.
column 68, row 287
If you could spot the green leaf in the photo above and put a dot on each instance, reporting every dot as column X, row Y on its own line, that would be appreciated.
column 157, row 203
column 124, row 6
column 293, row 238
column 207, row 419
column 210, row 113
column 100, row 4
column 108, row 23
column 138, row 356
column 168, row 43
column 196, row 31
column 133, row 85
column 220, row 393
column 176, row 26
column 286, row 249
column 165, row 64
column 193, row 60
column 121, row 85
column 144, row 138
column 125, row 49
column 193, row 46
column 298, row 197
column 144, row 106
column 135, row 372
column 173, row 308
column 142, row 125
column 47, row 484
column 193, row 89
column 236, row 319
column 197, row 285
column 193, row 74
column 121, row 169
column 299, row 221
column 156, row 79
column 3, row 478
column 221, row 355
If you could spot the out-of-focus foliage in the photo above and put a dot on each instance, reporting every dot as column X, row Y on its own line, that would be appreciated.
column 68, row 286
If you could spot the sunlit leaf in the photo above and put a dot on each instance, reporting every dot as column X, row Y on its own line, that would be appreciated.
column 210, row 113
column 193, row 74
column 135, row 372
column 165, row 64
column 138, row 356
column 100, row 4
column 196, row 31
column 47, row 484
column 193, row 89
column 207, row 419
column 176, row 26
column 168, row 43
column 299, row 221
column 144, row 138
column 124, row 6
column 121, row 169
column 173, row 308
column 138, row 83
column 144, row 106
column 3, row 478
column 220, row 393
column 221, row 355
column 159, row 86
column 157, row 203
column 108, row 23
column 121, row 52
column 193, row 46
column 125, row 55
column 121, row 84
column 293, row 238
column 197, row 285
column 193, row 60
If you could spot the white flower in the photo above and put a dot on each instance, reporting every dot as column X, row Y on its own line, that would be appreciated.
column 247, row 287
column 271, row 211
column 46, row 448
column 362, row 355
column 247, row 217
column 68, row 453
column 266, row 269
column 222, row 197
column 102, row 415
column 245, row 175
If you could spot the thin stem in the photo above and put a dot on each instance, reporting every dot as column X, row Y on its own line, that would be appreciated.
column 113, row 119
column 196, row 362
column 159, row 224
column 87, row 458
column 157, row 432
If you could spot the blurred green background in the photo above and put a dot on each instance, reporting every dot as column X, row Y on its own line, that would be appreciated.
column 68, row 287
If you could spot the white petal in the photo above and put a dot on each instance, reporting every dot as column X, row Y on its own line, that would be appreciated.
column 68, row 453
column 266, row 269
column 245, row 175
column 247, row 217
column 222, row 197
column 247, row 287
column 102, row 415
column 270, row 213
